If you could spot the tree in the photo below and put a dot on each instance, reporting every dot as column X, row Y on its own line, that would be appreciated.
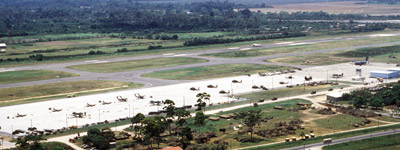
column 153, row 128
column 39, row 57
column 170, row 108
column 201, row 98
column 186, row 137
column 200, row 118
column 181, row 114
column 30, row 142
column 302, row 134
column 135, row 120
column 100, row 139
column 175, row 37
column 376, row 102
column 358, row 102
column 250, row 118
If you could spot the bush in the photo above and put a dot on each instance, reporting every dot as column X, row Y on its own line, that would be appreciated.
column 155, row 46
column 122, row 50
column 92, row 53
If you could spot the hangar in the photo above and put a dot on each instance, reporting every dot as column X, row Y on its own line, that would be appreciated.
column 384, row 74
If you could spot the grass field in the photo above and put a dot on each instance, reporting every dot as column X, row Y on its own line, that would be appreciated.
column 209, row 72
column 285, row 115
column 377, row 143
column 32, row 75
column 42, row 92
column 320, row 138
column 137, row 64
column 305, row 47
column 345, row 7
column 174, row 47
column 89, row 44
column 376, row 54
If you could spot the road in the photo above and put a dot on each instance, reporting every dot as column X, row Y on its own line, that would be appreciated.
column 343, row 140
column 135, row 76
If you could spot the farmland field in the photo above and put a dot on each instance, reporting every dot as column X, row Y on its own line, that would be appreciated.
column 345, row 7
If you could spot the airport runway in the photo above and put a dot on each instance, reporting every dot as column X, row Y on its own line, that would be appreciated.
column 135, row 76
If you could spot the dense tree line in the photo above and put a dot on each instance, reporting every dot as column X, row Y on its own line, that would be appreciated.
column 206, row 41
column 390, row 2
column 27, row 17
column 384, row 97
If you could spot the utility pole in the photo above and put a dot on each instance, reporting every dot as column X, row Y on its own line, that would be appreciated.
column 66, row 120
column 99, row 115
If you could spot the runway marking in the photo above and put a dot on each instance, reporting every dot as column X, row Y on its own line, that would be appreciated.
column 168, row 54
column 284, row 43
column 381, row 35
column 98, row 62
column 349, row 38
column 7, row 70
column 298, row 44
column 89, row 61
column 180, row 55
column 233, row 48
column 244, row 49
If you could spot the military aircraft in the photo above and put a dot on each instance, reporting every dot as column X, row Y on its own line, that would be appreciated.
column 20, row 115
column 90, row 105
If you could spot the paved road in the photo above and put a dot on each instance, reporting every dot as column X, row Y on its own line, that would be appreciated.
column 343, row 140
column 135, row 76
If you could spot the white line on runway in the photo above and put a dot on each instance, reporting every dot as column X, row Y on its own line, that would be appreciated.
column 233, row 48
column 244, row 49
column 381, row 35
column 298, row 44
column 168, row 54
column 98, row 62
column 284, row 43
column 6, row 70
column 180, row 55
column 90, row 61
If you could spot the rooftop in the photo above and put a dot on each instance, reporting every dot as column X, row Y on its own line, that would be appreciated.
column 383, row 72
column 172, row 148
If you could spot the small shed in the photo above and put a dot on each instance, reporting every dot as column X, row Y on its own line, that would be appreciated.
column 384, row 74
column 3, row 47
column 224, row 116
column 213, row 118
column 337, row 96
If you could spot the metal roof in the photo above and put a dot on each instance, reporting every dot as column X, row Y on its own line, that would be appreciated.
column 394, row 69
column 382, row 72
column 3, row 45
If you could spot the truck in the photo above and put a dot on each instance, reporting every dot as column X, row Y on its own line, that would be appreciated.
column 327, row 141
column 256, row 45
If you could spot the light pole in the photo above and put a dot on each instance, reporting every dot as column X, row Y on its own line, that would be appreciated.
column 2, row 142
column 99, row 115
